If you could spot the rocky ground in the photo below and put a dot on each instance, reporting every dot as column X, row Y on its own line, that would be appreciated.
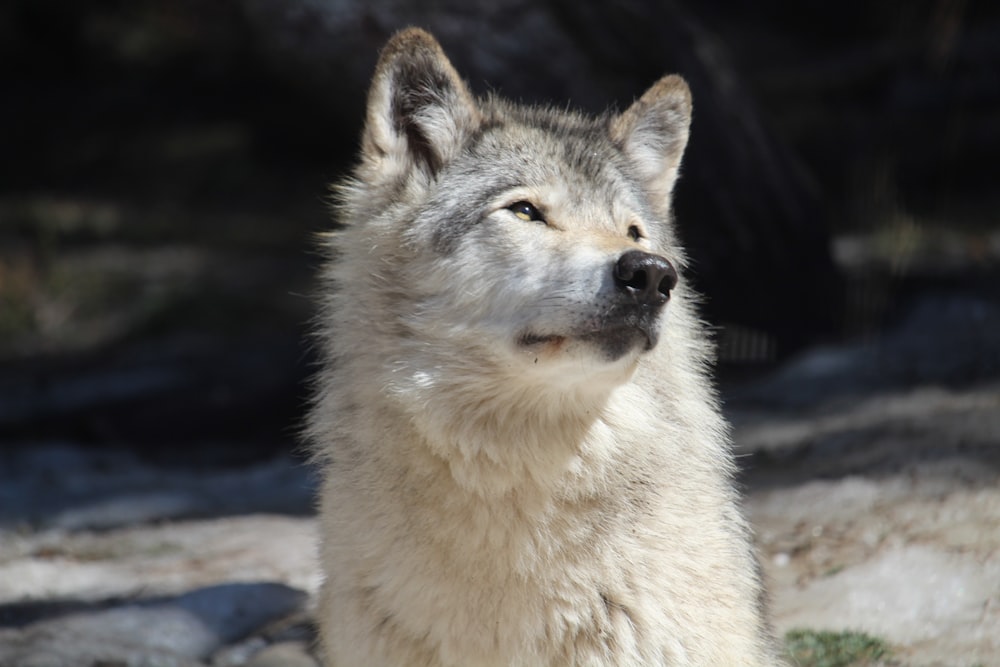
column 899, row 536
column 871, row 476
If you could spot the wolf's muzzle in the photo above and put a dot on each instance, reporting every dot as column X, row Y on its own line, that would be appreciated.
column 643, row 282
column 626, row 318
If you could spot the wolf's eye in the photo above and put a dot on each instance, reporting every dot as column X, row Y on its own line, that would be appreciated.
column 634, row 233
column 526, row 211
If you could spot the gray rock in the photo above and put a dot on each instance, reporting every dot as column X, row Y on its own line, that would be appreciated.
column 285, row 654
column 239, row 653
column 177, row 632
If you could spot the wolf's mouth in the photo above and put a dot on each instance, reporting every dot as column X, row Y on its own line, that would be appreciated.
column 532, row 339
column 614, row 341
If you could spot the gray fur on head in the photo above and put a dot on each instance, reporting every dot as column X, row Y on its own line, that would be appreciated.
column 421, row 115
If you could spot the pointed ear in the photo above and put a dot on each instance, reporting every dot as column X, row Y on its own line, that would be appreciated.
column 653, row 132
column 419, row 110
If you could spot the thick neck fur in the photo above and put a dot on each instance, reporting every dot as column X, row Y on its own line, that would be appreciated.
column 499, row 434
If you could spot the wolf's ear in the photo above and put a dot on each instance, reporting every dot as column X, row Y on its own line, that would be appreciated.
column 653, row 132
column 419, row 110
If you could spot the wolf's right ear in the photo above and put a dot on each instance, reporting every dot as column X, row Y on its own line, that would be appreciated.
column 653, row 132
column 419, row 110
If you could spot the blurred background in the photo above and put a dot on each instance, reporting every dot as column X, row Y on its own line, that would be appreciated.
column 164, row 168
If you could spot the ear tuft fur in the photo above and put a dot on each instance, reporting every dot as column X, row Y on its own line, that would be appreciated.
column 419, row 110
column 653, row 132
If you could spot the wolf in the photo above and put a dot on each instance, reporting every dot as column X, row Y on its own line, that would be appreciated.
column 524, row 461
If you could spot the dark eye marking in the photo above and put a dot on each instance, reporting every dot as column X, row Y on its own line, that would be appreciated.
column 526, row 211
column 634, row 233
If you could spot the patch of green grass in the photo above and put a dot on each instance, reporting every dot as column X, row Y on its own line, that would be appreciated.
column 833, row 570
column 814, row 648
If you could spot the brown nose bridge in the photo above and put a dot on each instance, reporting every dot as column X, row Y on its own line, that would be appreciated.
column 601, row 217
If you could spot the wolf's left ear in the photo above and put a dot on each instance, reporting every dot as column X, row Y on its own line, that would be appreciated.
column 419, row 110
column 653, row 132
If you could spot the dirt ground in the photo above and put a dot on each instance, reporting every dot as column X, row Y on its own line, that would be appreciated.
column 902, row 539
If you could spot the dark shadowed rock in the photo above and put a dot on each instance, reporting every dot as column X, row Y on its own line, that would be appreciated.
column 177, row 632
column 62, row 486
column 944, row 340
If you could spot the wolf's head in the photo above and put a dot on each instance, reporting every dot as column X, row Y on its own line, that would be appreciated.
column 530, row 239
column 503, row 271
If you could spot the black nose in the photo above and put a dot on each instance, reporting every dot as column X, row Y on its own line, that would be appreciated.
column 647, row 277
